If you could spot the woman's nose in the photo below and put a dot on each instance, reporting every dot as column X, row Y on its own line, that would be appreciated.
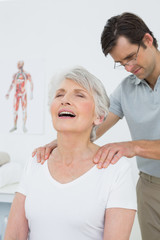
column 65, row 103
column 65, row 100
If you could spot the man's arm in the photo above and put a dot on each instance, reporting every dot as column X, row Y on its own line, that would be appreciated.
column 118, row 223
column 110, row 121
column 147, row 148
column 112, row 152
column 17, row 226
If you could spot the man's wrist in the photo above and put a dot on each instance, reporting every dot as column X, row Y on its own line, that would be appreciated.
column 138, row 147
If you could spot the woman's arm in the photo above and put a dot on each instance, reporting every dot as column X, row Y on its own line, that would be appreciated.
column 118, row 223
column 17, row 227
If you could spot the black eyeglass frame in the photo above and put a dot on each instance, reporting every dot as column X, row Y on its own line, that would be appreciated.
column 117, row 64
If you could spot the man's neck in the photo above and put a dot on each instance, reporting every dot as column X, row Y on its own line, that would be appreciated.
column 152, row 79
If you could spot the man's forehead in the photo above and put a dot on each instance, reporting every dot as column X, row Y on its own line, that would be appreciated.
column 122, row 49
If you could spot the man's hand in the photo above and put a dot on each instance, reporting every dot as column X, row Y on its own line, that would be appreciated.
column 44, row 152
column 112, row 152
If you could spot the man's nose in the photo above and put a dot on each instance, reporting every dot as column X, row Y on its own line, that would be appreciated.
column 129, row 68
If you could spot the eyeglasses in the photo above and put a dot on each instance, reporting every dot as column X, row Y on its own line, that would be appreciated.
column 118, row 65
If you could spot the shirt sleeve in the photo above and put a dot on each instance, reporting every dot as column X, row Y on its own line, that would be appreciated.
column 115, row 102
column 123, row 191
column 22, row 187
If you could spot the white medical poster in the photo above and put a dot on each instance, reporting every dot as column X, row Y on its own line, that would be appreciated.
column 22, row 96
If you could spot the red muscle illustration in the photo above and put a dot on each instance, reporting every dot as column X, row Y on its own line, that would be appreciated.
column 19, row 82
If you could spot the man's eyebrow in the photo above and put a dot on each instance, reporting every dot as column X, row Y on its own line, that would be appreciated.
column 126, row 58
column 129, row 55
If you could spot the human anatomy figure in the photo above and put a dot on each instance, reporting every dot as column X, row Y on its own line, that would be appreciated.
column 19, row 82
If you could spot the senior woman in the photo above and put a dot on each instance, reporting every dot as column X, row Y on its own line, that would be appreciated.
column 68, row 197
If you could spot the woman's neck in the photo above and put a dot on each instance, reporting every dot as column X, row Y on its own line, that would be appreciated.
column 72, row 148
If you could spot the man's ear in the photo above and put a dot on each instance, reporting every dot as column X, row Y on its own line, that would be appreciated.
column 98, row 120
column 148, row 39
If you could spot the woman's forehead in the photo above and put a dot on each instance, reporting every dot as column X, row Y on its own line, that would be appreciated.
column 72, row 84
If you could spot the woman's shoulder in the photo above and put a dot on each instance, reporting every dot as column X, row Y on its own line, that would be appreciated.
column 32, row 165
column 122, row 164
column 117, row 170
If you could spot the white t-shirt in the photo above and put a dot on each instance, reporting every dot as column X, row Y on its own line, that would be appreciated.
column 74, row 210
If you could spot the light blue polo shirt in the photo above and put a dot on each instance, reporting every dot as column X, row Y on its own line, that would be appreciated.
column 140, row 105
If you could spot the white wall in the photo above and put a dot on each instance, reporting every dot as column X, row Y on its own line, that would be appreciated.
column 64, row 33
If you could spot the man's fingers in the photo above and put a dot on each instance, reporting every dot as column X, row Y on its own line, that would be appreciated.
column 40, row 154
column 112, row 152
column 112, row 158
column 116, row 157
column 106, row 163
column 34, row 152
column 98, row 155
column 108, row 158
column 103, row 157
column 38, row 157
column 42, row 162
column 47, row 152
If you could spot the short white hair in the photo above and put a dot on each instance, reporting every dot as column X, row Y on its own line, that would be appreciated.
column 88, row 81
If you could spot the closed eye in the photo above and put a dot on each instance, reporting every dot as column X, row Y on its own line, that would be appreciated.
column 130, row 57
column 80, row 95
column 58, row 95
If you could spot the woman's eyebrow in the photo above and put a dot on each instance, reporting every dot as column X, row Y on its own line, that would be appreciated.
column 80, row 90
column 83, row 91
column 60, row 90
column 76, row 90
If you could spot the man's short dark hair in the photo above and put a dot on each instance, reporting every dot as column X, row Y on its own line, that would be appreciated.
column 128, row 25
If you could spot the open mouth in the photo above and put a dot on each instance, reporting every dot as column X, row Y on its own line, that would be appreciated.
column 66, row 114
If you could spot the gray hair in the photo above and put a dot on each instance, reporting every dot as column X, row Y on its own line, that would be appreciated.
column 91, row 83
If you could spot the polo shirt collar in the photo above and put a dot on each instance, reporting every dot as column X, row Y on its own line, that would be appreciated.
column 138, row 81
column 135, row 80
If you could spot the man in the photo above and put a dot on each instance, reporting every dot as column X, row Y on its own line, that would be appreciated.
column 20, row 83
column 133, row 47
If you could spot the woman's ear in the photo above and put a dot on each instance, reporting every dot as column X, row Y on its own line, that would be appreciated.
column 98, row 120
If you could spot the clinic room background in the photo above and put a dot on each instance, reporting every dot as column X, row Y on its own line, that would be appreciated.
column 49, row 35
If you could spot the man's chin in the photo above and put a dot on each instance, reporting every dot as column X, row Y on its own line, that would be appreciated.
column 139, row 75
